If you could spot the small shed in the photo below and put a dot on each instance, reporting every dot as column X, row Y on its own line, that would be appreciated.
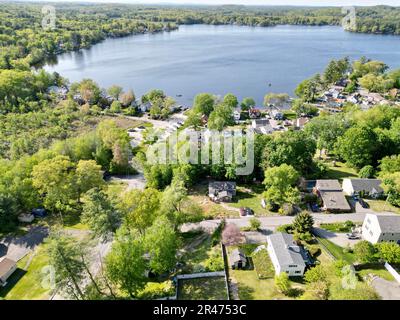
column 237, row 259
column 7, row 268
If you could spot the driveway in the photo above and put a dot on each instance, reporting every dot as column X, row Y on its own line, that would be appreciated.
column 18, row 247
column 134, row 182
column 337, row 238
column 388, row 290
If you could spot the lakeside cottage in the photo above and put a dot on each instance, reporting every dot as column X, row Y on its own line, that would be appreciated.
column 286, row 255
column 332, row 196
column 379, row 228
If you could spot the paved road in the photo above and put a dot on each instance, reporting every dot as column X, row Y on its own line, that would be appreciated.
column 16, row 248
column 388, row 290
column 276, row 221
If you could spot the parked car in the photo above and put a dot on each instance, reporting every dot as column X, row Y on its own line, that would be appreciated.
column 352, row 236
column 244, row 211
column 363, row 203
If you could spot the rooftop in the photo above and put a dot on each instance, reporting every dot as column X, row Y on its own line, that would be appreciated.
column 328, row 185
column 390, row 224
column 286, row 250
column 335, row 200
column 6, row 265
column 366, row 185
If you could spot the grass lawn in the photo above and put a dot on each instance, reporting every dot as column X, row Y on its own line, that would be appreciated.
column 250, row 196
column 202, row 289
column 337, row 251
column 338, row 227
column 382, row 205
column 263, row 265
column 197, row 250
column 289, row 114
column 249, row 285
column 383, row 273
column 27, row 284
column 340, row 171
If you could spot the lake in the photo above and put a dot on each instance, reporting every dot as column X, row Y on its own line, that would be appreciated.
column 247, row 61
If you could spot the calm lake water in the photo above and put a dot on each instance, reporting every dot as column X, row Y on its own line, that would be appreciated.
column 247, row 61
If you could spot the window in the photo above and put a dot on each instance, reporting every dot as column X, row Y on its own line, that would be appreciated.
column 371, row 233
column 292, row 265
column 368, row 221
column 297, row 272
column 366, row 227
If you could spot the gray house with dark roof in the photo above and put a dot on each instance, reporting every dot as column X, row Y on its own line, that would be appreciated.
column 368, row 187
column 237, row 259
column 286, row 255
column 381, row 228
column 221, row 191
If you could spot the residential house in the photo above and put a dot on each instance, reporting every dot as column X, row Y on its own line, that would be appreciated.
column 7, row 268
column 145, row 107
column 221, row 191
column 258, row 123
column 286, row 255
column 237, row 259
column 254, row 113
column 236, row 115
column 332, row 196
column 378, row 228
column 363, row 187
column 276, row 114
column 299, row 123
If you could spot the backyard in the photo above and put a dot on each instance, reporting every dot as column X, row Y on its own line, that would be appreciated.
column 213, row 288
column 249, row 285
column 26, row 282
column 382, row 206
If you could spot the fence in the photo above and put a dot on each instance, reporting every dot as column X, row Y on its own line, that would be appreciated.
column 392, row 271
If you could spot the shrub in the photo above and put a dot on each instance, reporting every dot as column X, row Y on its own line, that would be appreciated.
column 155, row 290
column 285, row 228
column 315, row 274
column 367, row 172
column 215, row 262
column 282, row 283
column 365, row 252
column 314, row 251
column 255, row 224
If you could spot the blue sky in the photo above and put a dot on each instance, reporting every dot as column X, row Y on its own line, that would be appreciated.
column 257, row 2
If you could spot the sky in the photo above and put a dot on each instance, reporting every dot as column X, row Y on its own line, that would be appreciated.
column 255, row 2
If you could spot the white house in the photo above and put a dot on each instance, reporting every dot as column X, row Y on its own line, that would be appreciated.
column 286, row 255
column 368, row 187
column 7, row 268
column 379, row 228
column 236, row 115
